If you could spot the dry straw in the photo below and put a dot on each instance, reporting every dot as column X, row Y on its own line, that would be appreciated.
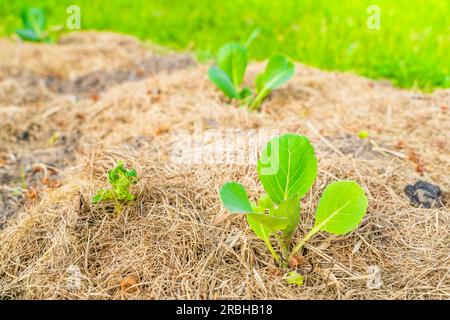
column 175, row 240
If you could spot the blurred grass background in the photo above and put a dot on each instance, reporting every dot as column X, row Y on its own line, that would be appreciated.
column 412, row 47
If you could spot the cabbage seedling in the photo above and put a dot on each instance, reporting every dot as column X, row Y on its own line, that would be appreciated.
column 230, row 70
column 34, row 26
column 279, row 70
column 120, row 180
column 287, row 169
column 229, row 74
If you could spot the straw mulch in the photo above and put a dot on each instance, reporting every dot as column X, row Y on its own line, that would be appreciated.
column 175, row 240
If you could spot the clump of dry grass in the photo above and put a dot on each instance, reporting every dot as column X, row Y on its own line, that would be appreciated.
column 77, row 54
column 175, row 240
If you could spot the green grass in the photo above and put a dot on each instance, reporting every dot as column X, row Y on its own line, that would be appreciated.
column 412, row 47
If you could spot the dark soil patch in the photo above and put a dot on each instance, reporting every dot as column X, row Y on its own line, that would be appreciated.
column 24, row 176
column 22, row 86
column 424, row 194
column 95, row 82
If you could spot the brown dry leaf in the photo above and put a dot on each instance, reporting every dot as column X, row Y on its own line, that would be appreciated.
column 80, row 116
column 95, row 97
column 140, row 71
column 161, row 129
column 31, row 193
column 275, row 271
column 441, row 144
column 55, row 184
column 294, row 262
column 420, row 168
column 37, row 168
column 129, row 283
column 52, row 184
column 45, row 180
column 413, row 156
column 154, row 94
column 400, row 145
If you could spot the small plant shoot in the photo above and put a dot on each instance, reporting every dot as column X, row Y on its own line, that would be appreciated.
column 229, row 73
column 363, row 134
column 287, row 168
column 120, row 180
column 33, row 26
column 293, row 277
column 278, row 71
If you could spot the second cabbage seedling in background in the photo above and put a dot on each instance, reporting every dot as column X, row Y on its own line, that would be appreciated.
column 33, row 26
column 230, row 70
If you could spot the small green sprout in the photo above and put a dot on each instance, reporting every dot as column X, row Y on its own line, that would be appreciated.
column 363, row 134
column 121, row 180
column 287, row 169
column 34, row 26
column 230, row 70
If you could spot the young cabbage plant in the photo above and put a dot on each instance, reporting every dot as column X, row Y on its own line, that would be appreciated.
column 278, row 71
column 229, row 73
column 34, row 26
column 120, row 180
column 287, row 169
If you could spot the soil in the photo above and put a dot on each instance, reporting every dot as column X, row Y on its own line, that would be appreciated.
column 424, row 194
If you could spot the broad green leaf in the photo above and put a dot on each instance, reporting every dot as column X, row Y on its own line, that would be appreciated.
column 264, row 203
column 232, row 58
column 132, row 173
column 271, row 222
column 294, row 277
column 235, row 198
column 112, row 176
column 27, row 34
column 341, row 208
column 259, row 229
column 223, row 82
column 287, row 167
column 289, row 209
column 278, row 71
column 34, row 19
column 262, row 231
